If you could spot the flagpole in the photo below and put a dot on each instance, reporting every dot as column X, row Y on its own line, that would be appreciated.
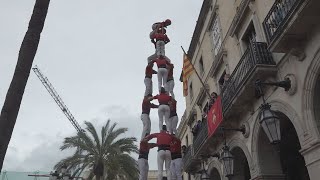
column 204, row 87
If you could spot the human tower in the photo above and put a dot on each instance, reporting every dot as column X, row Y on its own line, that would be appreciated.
column 169, row 146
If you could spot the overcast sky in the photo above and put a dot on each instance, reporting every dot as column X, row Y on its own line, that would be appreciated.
column 94, row 52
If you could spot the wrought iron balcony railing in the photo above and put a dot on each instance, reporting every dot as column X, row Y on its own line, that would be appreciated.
column 278, row 16
column 201, row 137
column 256, row 54
column 187, row 157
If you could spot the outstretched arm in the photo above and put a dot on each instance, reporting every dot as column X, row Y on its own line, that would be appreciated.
column 151, row 136
column 154, row 105
column 152, row 145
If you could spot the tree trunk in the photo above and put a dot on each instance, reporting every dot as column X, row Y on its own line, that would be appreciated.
column 16, row 89
column 98, row 177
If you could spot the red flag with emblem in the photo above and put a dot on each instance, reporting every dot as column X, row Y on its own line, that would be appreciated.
column 214, row 117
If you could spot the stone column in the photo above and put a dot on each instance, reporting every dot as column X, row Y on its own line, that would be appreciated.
column 312, row 158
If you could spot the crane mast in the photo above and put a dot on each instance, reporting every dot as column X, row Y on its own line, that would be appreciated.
column 57, row 98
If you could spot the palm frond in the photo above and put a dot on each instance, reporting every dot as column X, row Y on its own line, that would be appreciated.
column 111, row 149
column 90, row 128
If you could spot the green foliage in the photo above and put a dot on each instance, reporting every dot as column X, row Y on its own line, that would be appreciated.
column 106, row 156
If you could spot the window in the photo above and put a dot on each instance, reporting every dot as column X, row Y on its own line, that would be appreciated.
column 201, row 67
column 249, row 37
column 221, row 79
column 187, row 141
column 216, row 35
column 191, row 91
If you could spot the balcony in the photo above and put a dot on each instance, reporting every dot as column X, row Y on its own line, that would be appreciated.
column 289, row 21
column 256, row 62
column 190, row 163
column 201, row 137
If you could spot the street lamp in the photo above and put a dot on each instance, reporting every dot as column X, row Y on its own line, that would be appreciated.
column 269, row 121
column 203, row 172
column 227, row 161
column 226, row 157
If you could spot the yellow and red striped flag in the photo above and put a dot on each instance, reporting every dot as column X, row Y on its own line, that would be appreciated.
column 186, row 72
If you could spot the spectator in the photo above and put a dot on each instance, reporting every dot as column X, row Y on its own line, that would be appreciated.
column 196, row 128
column 183, row 149
column 214, row 96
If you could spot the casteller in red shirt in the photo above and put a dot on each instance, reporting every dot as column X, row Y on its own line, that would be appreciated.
column 144, row 149
column 170, row 72
column 163, row 139
column 161, row 37
column 163, row 98
column 161, row 62
column 147, row 105
column 173, row 107
column 175, row 148
column 150, row 71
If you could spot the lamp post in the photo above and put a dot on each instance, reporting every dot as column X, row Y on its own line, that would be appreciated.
column 204, row 175
column 226, row 156
column 227, row 161
column 269, row 121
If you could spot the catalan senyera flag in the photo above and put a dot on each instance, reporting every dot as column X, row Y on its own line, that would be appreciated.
column 186, row 73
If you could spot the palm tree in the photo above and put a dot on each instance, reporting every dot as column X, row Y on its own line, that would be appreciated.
column 16, row 89
column 106, row 155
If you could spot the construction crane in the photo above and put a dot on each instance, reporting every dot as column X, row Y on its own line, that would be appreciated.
column 57, row 98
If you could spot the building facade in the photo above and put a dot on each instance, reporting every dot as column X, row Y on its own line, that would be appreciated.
column 235, row 43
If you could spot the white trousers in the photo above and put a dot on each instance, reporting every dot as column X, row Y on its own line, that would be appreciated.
column 164, row 113
column 176, row 169
column 145, row 118
column 169, row 87
column 164, row 156
column 149, row 87
column 162, row 77
column 154, row 56
column 143, row 168
column 173, row 125
column 160, row 48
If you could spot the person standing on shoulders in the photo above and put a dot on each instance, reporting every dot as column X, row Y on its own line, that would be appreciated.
column 170, row 81
column 143, row 158
column 145, row 118
column 148, row 79
column 173, row 118
column 164, row 140
column 162, row 71
column 163, row 109
column 176, row 158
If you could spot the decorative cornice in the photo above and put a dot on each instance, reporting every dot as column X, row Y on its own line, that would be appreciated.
column 239, row 15
column 199, row 26
column 217, row 61
column 202, row 94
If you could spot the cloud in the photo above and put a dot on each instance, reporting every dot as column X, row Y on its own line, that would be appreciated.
column 95, row 58
column 44, row 155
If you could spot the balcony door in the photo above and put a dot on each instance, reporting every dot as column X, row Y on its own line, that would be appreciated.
column 249, row 37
